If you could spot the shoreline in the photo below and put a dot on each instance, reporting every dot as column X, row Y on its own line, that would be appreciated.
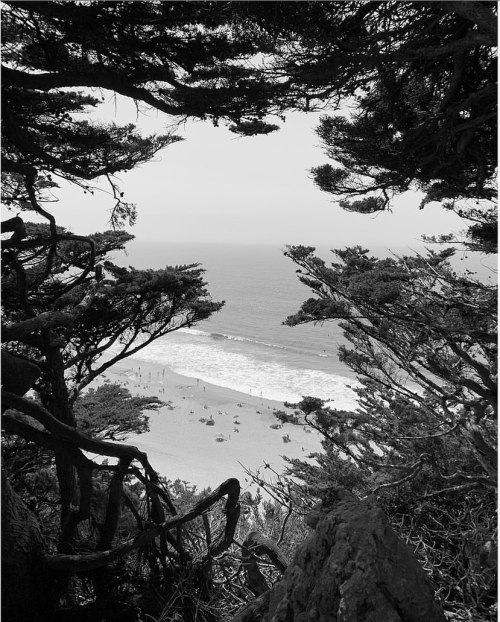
column 208, row 433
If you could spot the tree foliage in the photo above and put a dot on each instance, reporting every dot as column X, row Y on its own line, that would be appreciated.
column 62, row 280
column 110, row 412
column 423, row 342
column 70, row 313
column 421, row 76
column 425, row 113
column 423, row 439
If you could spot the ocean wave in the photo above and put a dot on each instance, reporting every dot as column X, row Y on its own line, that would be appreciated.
column 194, row 331
column 244, row 373
column 216, row 336
column 223, row 336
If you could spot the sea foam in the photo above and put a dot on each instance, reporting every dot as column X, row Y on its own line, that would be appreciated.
column 209, row 361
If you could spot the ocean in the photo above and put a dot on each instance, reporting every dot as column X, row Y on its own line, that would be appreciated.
column 245, row 346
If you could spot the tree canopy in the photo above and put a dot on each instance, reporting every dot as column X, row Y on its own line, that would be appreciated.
column 424, row 346
column 426, row 112
column 421, row 80
column 423, row 343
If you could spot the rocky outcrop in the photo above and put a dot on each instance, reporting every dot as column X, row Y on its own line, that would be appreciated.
column 353, row 568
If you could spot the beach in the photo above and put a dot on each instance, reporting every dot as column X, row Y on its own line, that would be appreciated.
column 207, row 433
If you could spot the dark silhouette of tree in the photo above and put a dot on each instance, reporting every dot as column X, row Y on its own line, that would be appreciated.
column 421, row 75
column 66, row 304
column 64, row 307
column 423, row 439
column 424, row 112
column 423, row 343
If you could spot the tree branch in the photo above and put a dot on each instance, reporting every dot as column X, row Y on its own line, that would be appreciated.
column 66, row 433
column 256, row 544
column 80, row 563
column 477, row 13
column 92, row 78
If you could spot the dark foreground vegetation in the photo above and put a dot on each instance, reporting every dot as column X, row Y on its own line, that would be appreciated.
column 89, row 529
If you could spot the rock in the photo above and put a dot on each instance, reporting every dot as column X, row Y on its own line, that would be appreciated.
column 353, row 568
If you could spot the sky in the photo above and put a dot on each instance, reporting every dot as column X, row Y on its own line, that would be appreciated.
column 217, row 187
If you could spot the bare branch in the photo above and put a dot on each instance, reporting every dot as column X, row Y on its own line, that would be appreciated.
column 80, row 563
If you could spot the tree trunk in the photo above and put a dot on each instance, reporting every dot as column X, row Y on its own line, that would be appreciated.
column 57, row 402
column 26, row 589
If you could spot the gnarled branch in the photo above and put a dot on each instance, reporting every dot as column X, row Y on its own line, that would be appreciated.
column 80, row 563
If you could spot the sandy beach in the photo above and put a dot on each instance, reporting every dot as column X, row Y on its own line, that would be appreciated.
column 208, row 433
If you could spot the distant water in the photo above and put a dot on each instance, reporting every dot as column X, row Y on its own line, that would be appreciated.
column 245, row 346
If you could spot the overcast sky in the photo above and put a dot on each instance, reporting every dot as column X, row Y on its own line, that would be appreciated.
column 217, row 187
